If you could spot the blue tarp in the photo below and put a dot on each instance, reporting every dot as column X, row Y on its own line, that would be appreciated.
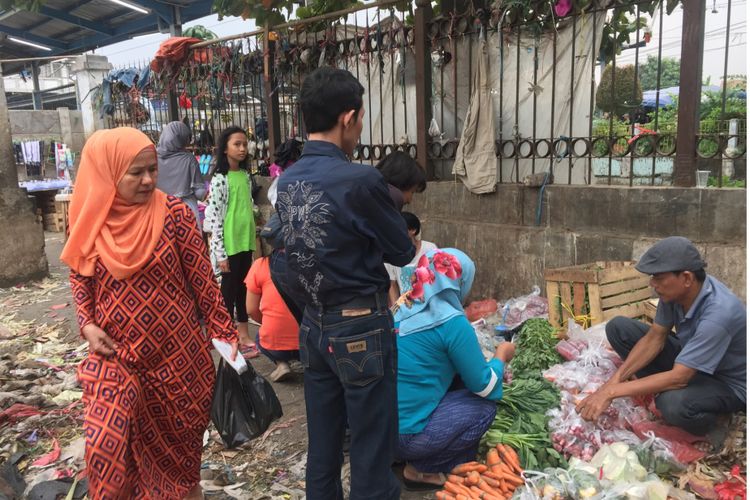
column 666, row 96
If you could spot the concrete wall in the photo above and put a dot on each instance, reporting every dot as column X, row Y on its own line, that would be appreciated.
column 59, row 125
column 580, row 224
column 22, row 244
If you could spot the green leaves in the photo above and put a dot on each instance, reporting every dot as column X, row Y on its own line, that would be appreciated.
column 619, row 91
column 521, row 421
column 536, row 349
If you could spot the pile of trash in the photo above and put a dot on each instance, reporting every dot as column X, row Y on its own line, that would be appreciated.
column 41, row 446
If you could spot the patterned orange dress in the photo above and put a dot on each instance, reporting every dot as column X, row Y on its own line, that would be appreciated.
column 147, row 407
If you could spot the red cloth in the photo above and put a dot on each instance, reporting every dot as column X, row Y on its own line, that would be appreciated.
column 680, row 441
column 173, row 52
column 480, row 309
column 279, row 330
column 147, row 407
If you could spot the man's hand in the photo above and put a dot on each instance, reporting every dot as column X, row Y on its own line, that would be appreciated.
column 596, row 404
column 99, row 341
column 505, row 351
column 224, row 266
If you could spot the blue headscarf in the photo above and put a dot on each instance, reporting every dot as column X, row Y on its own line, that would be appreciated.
column 440, row 284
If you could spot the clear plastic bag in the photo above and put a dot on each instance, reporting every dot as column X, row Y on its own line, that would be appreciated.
column 582, row 485
column 595, row 335
column 650, row 488
column 656, row 455
column 519, row 309
column 619, row 463
column 486, row 337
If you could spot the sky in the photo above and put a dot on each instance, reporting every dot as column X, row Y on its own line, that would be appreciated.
column 144, row 47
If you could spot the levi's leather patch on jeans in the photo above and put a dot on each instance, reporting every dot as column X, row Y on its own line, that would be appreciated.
column 359, row 358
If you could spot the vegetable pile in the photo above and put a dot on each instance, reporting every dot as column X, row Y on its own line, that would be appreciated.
column 495, row 480
column 536, row 349
column 521, row 422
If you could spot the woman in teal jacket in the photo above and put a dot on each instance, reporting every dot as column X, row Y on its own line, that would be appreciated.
column 440, row 428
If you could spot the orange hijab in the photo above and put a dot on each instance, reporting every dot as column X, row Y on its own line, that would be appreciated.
column 103, row 226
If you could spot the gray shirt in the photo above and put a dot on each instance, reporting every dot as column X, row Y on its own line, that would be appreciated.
column 712, row 334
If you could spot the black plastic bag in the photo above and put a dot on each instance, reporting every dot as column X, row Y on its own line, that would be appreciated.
column 243, row 405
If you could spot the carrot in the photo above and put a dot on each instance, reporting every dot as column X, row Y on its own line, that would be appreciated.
column 488, row 489
column 457, row 489
column 453, row 488
column 492, row 474
column 513, row 479
column 464, row 468
column 490, row 480
column 493, row 457
column 512, row 458
column 505, row 488
column 472, row 478
column 461, row 497
column 444, row 495
column 503, row 467
column 483, row 495
column 455, row 479
column 504, row 459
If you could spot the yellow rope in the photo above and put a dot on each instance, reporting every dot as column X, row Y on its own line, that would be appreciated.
column 582, row 319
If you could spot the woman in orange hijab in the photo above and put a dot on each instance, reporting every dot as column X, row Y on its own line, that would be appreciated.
column 141, row 278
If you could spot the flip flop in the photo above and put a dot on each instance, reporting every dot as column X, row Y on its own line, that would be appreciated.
column 249, row 351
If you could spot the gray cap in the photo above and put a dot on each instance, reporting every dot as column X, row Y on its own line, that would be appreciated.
column 671, row 254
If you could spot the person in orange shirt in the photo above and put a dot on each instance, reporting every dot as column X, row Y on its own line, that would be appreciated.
column 278, row 337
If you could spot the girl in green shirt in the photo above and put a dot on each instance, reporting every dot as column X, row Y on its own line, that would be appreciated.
column 229, row 217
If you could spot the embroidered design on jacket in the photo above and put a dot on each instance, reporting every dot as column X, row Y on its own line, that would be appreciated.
column 303, row 216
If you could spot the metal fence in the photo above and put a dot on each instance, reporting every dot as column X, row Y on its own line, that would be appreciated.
column 555, row 83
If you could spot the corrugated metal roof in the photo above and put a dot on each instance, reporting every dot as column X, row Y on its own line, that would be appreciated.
column 67, row 27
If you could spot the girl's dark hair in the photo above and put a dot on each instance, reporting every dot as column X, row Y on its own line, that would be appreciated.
column 400, row 170
column 412, row 222
column 288, row 152
column 222, row 164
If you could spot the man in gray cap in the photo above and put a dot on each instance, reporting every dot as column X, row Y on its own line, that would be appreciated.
column 697, row 374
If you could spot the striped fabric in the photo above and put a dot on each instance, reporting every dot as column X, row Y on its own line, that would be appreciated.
column 452, row 434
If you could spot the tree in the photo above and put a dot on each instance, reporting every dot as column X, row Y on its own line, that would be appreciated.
column 627, row 94
column 670, row 73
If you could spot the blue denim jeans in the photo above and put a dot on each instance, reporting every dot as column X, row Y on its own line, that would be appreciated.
column 350, row 369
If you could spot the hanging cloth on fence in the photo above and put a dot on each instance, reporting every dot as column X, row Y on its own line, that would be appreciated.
column 476, row 162
column 173, row 52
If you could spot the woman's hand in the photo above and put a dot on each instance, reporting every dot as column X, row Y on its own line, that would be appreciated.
column 505, row 351
column 235, row 350
column 99, row 341
column 224, row 266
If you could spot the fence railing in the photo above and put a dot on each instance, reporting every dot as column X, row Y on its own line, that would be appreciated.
column 565, row 90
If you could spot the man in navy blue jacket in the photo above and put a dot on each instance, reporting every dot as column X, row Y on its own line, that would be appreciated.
column 339, row 225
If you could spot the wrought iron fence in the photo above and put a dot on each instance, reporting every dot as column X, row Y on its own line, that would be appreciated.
column 555, row 81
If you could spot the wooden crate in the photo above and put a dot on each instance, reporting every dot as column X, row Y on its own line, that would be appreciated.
column 601, row 290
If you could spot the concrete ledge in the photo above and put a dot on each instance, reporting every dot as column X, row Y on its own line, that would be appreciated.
column 580, row 224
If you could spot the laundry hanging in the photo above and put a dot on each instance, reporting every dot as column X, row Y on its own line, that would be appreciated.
column 31, row 157
column 476, row 162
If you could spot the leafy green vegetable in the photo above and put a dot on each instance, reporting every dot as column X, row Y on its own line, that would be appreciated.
column 521, row 422
column 535, row 349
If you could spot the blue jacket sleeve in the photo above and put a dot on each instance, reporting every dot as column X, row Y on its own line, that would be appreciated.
column 383, row 222
column 484, row 378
